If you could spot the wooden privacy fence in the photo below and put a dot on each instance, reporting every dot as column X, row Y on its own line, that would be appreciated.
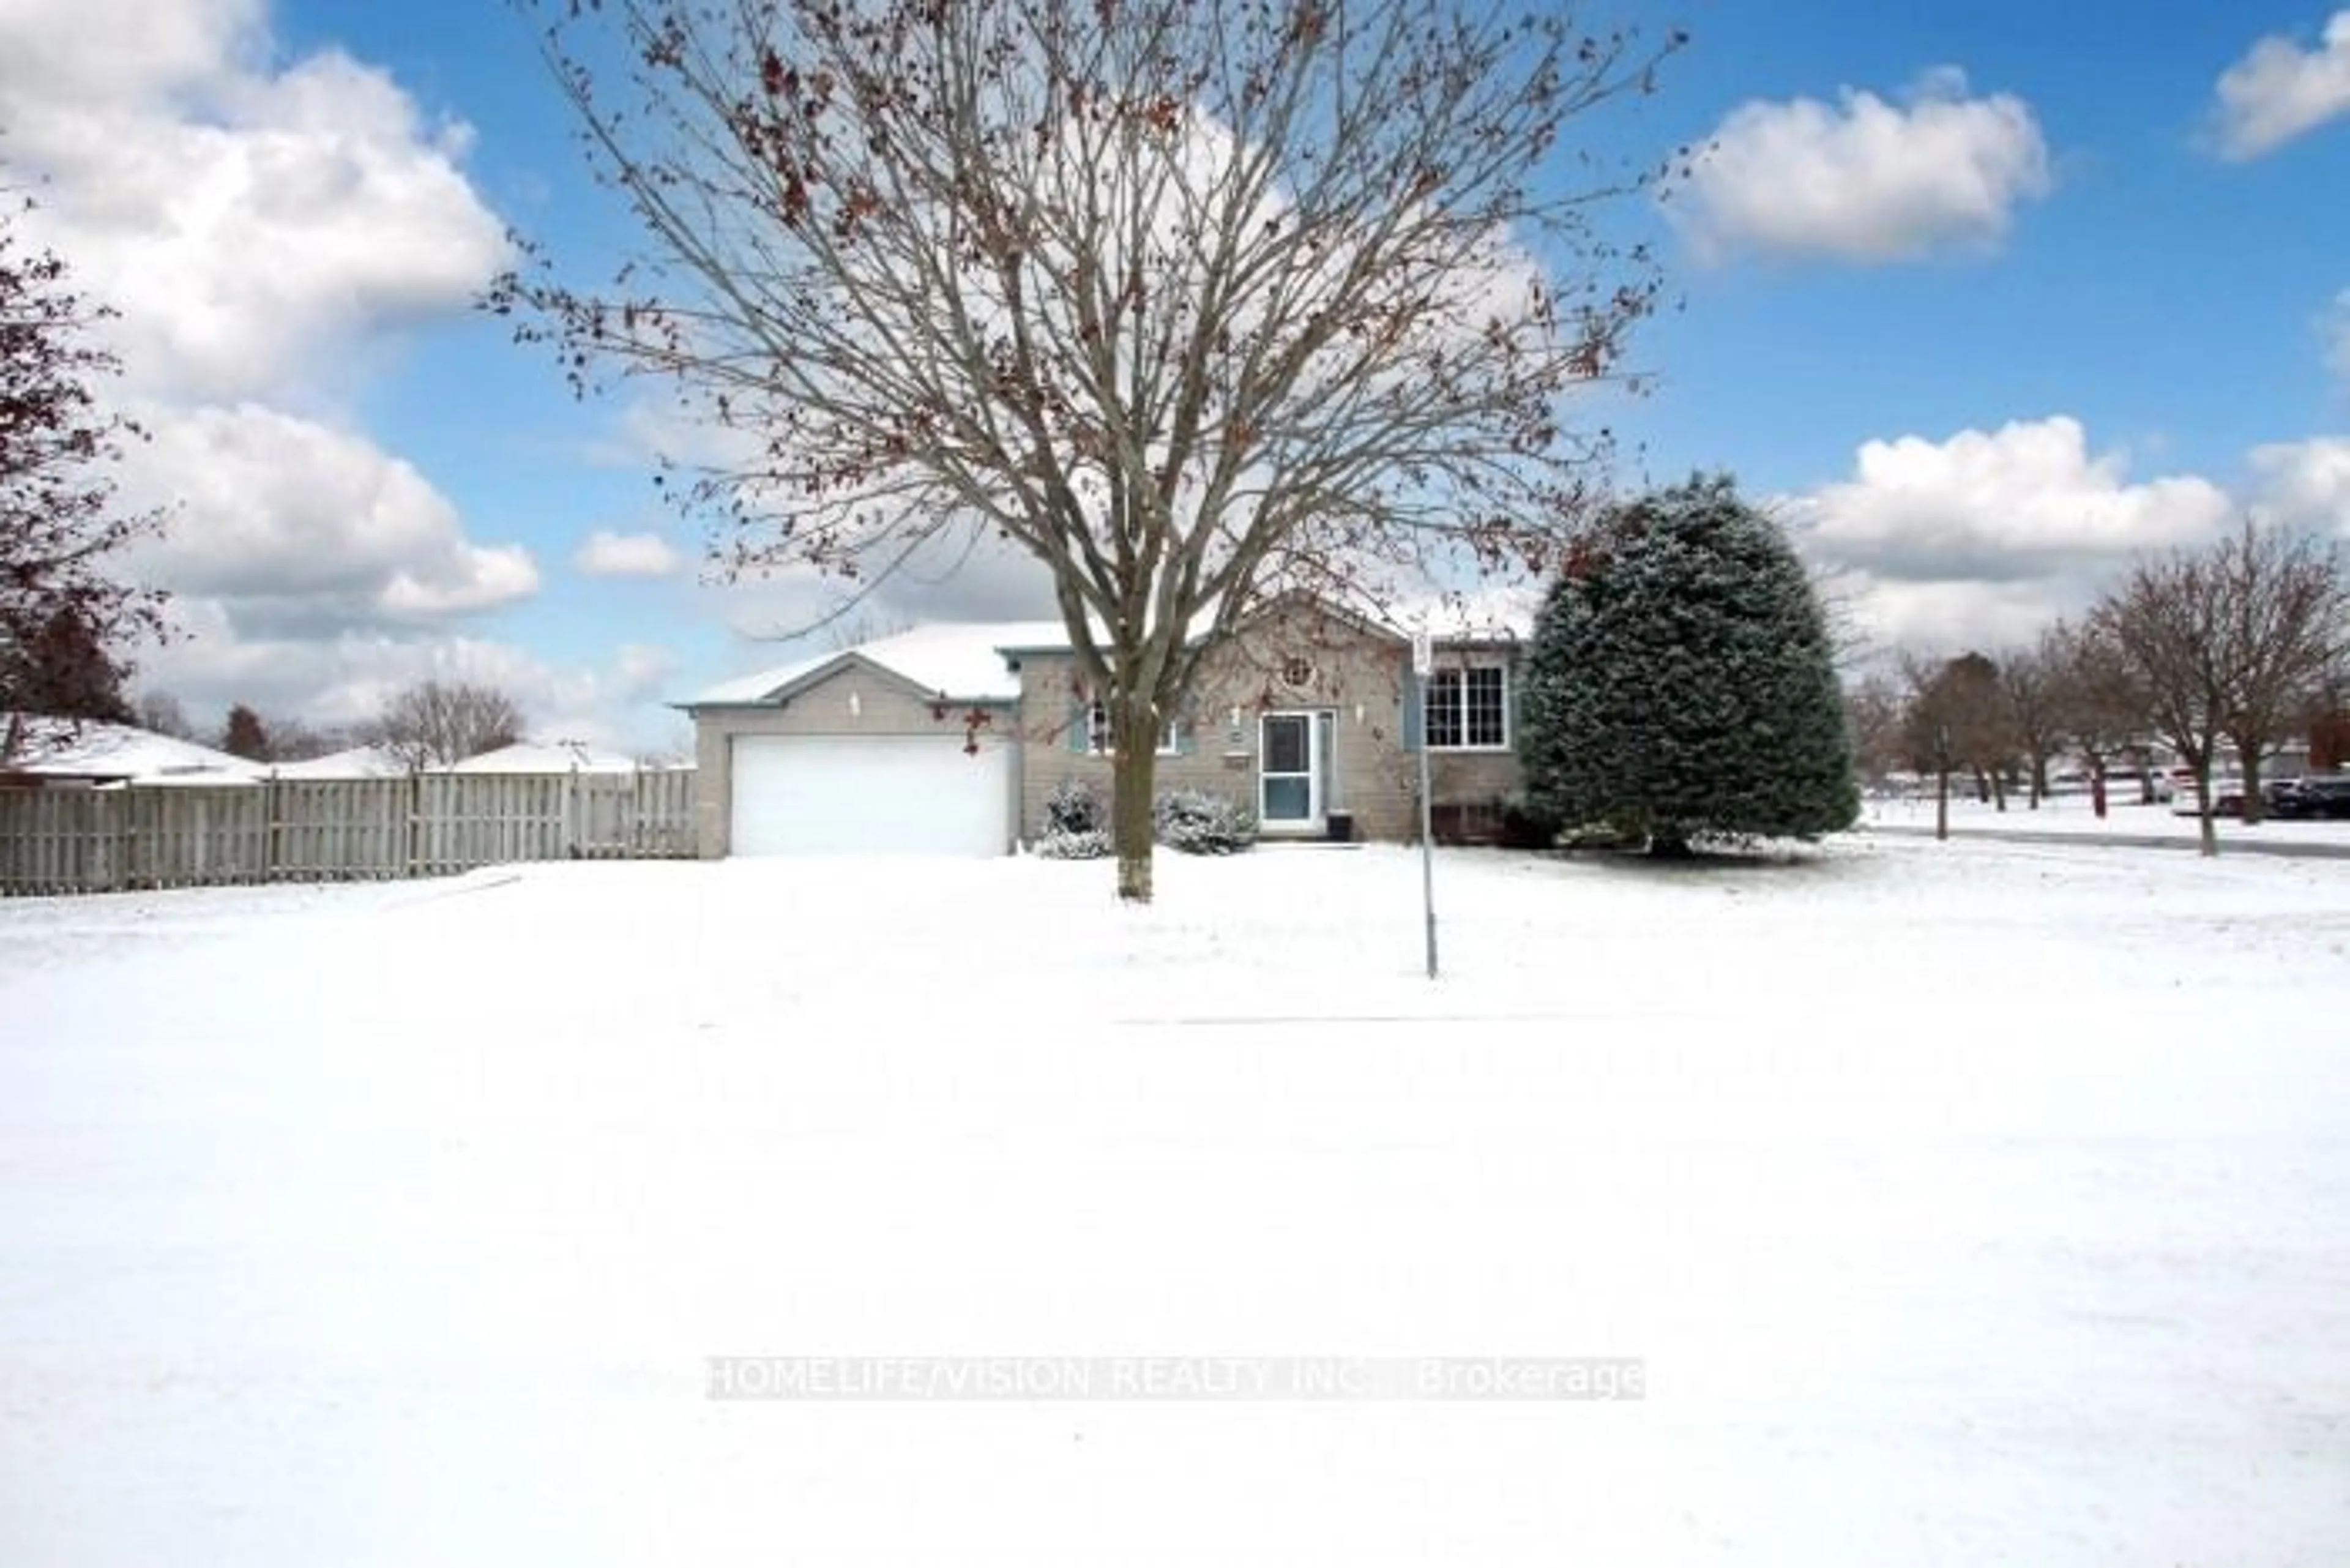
column 65, row 840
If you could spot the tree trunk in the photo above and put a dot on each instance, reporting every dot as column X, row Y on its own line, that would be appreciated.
column 2250, row 759
column 2208, row 837
column 1133, row 776
column 1942, row 803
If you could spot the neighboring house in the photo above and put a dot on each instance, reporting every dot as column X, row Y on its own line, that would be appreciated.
column 523, row 757
column 43, row 751
column 949, row 739
column 546, row 757
column 353, row 762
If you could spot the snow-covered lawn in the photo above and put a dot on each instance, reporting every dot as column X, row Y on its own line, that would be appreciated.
column 2071, row 815
column 1969, row 1204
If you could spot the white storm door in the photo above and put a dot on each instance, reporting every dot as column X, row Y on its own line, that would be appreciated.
column 1289, row 771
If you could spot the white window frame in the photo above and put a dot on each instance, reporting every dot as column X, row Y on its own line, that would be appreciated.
column 1098, row 736
column 1456, row 674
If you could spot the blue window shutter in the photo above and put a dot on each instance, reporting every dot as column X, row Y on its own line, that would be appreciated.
column 1414, row 718
column 1080, row 727
column 1187, row 737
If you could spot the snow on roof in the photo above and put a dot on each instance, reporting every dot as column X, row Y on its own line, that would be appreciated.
column 357, row 763
column 92, row 749
column 546, row 757
column 967, row 660
column 962, row 660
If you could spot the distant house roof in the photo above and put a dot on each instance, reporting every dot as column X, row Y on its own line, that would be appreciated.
column 545, row 757
column 357, row 763
column 96, row 751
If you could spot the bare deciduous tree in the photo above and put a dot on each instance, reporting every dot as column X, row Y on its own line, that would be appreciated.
column 245, row 735
column 2283, row 631
column 438, row 722
column 2028, row 692
column 2228, row 642
column 1195, row 303
column 295, row 740
column 1877, row 709
column 160, row 713
column 1956, row 721
column 2100, row 705
column 2164, row 624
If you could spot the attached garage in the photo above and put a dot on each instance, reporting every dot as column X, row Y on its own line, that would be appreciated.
column 866, row 751
column 870, row 795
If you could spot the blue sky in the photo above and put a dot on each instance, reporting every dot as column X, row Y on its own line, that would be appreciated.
column 1986, row 298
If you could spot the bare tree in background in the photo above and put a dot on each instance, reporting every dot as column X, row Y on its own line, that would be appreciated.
column 245, row 735
column 2283, row 630
column 1957, row 722
column 295, row 740
column 1194, row 302
column 2229, row 642
column 2100, row 705
column 1877, row 709
column 160, row 713
column 440, row 722
column 2164, row 624
column 2032, row 718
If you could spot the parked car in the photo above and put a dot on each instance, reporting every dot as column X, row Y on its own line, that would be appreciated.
column 2227, row 798
column 2305, row 799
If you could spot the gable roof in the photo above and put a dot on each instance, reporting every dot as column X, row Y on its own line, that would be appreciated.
column 95, row 748
column 962, row 661
column 354, row 762
column 545, row 757
column 970, row 661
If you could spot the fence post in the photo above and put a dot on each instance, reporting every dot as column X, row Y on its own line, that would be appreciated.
column 415, row 817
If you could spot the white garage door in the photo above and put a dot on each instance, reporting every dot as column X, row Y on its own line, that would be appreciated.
column 870, row 795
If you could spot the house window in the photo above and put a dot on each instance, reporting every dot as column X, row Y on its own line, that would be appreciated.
column 1468, row 709
column 1098, row 733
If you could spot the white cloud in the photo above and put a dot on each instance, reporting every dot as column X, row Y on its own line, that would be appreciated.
column 273, row 509
column 2305, row 484
column 609, row 555
column 961, row 574
column 1867, row 180
column 248, row 223
column 347, row 678
column 263, row 221
column 2281, row 90
column 1987, row 535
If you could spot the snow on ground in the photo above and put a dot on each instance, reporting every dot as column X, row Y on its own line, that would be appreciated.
column 2071, row 815
column 1968, row 1202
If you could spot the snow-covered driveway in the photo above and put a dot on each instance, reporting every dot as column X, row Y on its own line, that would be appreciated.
column 1967, row 1203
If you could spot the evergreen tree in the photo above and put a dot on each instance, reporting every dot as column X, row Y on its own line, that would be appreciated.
column 245, row 736
column 1682, row 684
column 60, row 666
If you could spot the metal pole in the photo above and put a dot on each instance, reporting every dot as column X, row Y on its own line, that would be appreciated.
column 1427, row 858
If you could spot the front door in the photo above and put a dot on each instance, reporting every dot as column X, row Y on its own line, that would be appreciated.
column 1289, row 773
